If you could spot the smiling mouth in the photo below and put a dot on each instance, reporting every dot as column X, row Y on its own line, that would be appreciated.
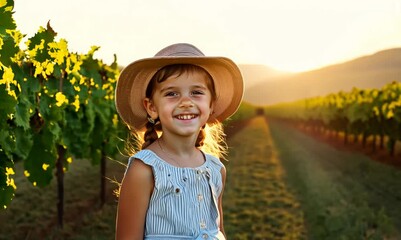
column 186, row 116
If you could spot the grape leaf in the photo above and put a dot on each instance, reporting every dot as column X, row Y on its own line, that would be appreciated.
column 22, row 112
column 6, row 21
column 7, row 50
column 42, row 156
column 24, row 142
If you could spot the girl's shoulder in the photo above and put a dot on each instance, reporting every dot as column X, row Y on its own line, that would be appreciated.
column 146, row 156
column 213, row 160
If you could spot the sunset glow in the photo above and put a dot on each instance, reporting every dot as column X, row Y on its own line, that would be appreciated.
column 287, row 35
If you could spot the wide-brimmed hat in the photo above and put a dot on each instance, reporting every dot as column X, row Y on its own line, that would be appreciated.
column 134, row 79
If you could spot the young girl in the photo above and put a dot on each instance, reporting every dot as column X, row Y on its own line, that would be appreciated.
column 173, row 187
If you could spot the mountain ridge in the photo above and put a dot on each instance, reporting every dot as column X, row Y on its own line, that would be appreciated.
column 370, row 71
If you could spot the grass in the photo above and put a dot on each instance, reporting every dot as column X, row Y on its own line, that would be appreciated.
column 344, row 195
column 257, row 202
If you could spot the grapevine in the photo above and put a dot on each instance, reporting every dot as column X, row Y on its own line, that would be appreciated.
column 366, row 112
column 56, row 106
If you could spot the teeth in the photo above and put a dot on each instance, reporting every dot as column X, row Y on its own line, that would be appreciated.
column 186, row 117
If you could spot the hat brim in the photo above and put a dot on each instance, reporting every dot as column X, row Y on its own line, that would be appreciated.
column 134, row 79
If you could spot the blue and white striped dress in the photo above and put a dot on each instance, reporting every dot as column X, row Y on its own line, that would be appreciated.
column 184, row 203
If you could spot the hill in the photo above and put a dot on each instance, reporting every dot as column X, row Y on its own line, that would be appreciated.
column 255, row 74
column 372, row 71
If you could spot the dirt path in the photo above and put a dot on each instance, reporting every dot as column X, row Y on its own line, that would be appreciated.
column 257, row 202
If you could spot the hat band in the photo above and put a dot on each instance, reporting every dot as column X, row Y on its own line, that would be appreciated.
column 189, row 54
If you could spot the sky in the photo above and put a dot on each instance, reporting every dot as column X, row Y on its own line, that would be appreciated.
column 288, row 35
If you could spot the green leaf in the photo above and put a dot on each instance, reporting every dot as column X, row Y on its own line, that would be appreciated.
column 44, row 103
column 56, row 132
column 79, row 127
column 6, row 195
column 84, row 93
column 8, row 50
column 24, row 142
column 114, row 64
column 98, row 135
column 53, row 85
column 46, row 35
column 6, row 192
column 22, row 114
column 57, row 71
column 41, row 156
column 7, row 142
column 7, row 105
column 102, row 110
column 6, row 21
column 99, row 93
column 68, row 90
column 8, row 6
column 30, row 85
column 90, row 113
column 49, row 111
column 96, row 156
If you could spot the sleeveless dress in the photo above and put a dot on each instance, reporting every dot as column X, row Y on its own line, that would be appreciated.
column 184, row 202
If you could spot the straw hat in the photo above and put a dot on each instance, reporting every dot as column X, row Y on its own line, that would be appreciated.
column 134, row 79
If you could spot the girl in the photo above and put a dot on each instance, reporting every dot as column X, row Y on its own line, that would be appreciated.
column 173, row 187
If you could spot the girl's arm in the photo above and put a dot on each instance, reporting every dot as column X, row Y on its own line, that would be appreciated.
column 223, row 176
column 136, row 189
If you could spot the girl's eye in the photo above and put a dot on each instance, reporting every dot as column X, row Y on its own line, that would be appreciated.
column 170, row 94
column 197, row 92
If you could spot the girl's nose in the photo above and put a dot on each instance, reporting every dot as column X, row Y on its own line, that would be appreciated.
column 186, row 103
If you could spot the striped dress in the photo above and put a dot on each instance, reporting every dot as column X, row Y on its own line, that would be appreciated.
column 184, row 203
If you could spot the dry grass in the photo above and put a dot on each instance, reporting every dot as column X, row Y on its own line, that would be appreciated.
column 257, row 202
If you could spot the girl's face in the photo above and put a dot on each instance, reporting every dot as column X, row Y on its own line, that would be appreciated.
column 183, row 103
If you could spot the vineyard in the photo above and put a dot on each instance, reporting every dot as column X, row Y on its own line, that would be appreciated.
column 62, row 153
column 56, row 106
column 373, row 114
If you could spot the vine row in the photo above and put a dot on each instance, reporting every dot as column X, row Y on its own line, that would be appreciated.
column 374, row 113
column 56, row 106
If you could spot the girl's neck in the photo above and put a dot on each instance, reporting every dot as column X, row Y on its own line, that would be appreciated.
column 178, row 153
column 178, row 146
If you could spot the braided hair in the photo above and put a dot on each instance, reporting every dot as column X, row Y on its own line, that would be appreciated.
column 150, row 134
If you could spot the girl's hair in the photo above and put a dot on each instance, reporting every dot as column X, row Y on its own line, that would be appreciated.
column 211, row 138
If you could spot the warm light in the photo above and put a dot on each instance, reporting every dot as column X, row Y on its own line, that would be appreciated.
column 287, row 35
